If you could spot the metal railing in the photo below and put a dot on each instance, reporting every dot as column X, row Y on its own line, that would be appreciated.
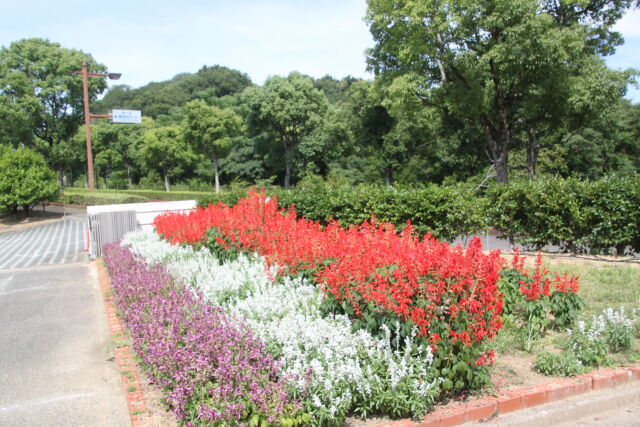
column 109, row 227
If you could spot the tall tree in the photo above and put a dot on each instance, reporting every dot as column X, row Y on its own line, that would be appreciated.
column 158, row 98
column 40, row 92
column 165, row 151
column 287, row 109
column 124, row 139
column 211, row 129
column 509, row 67
column 375, row 127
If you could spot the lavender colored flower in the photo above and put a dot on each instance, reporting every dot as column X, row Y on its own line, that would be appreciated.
column 211, row 366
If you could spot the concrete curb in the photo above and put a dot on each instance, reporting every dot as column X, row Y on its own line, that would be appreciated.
column 485, row 408
column 138, row 410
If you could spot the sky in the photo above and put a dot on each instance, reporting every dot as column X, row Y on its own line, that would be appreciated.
column 155, row 40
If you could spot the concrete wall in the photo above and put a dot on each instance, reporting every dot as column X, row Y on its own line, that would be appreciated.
column 146, row 212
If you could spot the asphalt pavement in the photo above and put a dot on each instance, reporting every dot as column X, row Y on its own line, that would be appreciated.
column 56, row 356
column 54, row 243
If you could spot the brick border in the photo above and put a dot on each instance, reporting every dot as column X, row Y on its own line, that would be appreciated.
column 138, row 411
column 487, row 407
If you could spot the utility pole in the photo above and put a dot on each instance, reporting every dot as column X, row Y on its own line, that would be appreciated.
column 88, row 116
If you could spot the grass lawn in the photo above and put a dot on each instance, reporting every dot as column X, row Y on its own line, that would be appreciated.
column 82, row 196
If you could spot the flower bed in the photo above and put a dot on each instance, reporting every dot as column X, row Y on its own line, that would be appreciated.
column 211, row 366
column 361, row 320
column 331, row 368
column 372, row 274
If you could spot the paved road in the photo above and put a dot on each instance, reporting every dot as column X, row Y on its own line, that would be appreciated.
column 609, row 407
column 58, row 242
column 56, row 364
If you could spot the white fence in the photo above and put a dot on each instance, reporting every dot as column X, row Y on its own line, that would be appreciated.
column 108, row 223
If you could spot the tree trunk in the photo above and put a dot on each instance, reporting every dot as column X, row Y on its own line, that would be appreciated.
column 287, row 165
column 166, row 181
column 26, row 209
column 129, row 183
column 502, row 168
column 287, row 174
column 532, row 149
column 14, row 208
column 498, row 149
column 388, row 175
column 60, row 178
column 216, row 172
column 104, row 178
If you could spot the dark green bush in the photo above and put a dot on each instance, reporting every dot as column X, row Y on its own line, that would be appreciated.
column 445, row 211
column 577, row 216
column 25, row 179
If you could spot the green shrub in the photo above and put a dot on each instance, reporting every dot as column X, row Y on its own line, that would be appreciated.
column 86, row 198
column 136, row 195
column 166, row 195
column 25, row 179
column 445, row 211
column 577, row 216
column 562, row 364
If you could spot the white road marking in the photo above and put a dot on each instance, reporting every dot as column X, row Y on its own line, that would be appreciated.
column 56, row 237
column 25, row 406
column 17, row 243
column 61, row 242
column 4, row 283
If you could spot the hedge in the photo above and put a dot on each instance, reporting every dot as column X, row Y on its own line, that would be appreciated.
column 145, row 194
column 577, row 216
column 445, row 211
column 99, row 198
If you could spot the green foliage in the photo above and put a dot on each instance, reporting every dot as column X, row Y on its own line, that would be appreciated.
column 286, row 109
column 517, row 70
column 136, row 195
column 86, row 198
column 220, row 246
column 211, row 130
column 565, row 308
column 588, row 345
column 445, row 211
column 609, row 332
column 162, row 98
column 25, row 179
column 563, row 364
column 165, row 150
column 40, row 92
column 577, row 216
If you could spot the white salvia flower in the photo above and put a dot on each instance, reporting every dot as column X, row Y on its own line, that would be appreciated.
column 322, row 353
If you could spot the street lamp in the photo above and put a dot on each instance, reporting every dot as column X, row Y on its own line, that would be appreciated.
column 88, row 116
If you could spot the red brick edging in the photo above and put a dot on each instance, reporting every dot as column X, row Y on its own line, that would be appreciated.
column 522, row 398
column 138, row 411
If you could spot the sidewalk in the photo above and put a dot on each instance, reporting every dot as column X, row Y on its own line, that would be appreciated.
column 56, row 358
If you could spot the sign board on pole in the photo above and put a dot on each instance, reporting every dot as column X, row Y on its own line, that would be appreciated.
column 126, row 116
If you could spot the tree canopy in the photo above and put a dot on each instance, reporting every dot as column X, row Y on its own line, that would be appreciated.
column 512, row 68
column 212, row 130
column 463, row 91
column 41, row 100
column 286, row 108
